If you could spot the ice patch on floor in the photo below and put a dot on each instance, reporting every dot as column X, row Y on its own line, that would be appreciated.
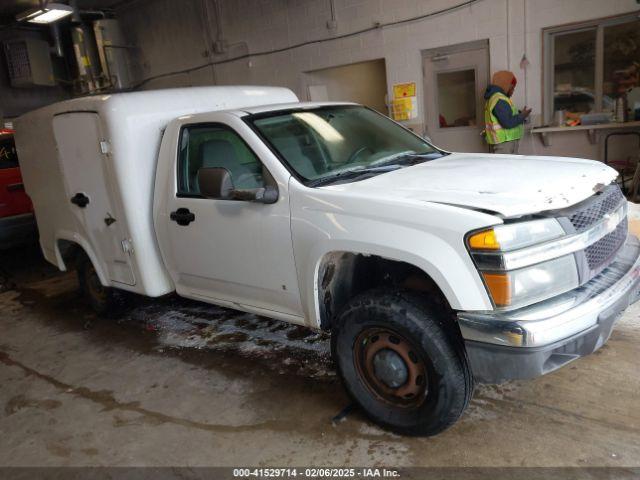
column 185, row 324
column 480, row 409
column 373, row 430
column 496, row 392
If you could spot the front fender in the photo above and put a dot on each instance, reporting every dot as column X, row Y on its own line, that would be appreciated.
column 426, row 235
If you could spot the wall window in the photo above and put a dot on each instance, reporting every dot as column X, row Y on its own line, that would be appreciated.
column 590, row 65
column 457, row 98
column 621, row 58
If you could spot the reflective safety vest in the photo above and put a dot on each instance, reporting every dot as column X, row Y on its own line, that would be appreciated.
column 494, row 132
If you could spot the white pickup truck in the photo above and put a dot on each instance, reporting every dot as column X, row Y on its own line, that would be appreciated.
column 431, row 269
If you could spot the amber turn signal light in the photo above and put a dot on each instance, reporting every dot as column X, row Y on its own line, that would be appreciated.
column 485, row 240
column 499, row 286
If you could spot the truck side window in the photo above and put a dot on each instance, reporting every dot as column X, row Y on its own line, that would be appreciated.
column 207, row 146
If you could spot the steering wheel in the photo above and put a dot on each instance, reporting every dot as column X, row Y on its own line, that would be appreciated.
column 356, row 153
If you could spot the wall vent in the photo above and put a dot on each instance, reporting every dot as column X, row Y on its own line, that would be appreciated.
column 29, row 63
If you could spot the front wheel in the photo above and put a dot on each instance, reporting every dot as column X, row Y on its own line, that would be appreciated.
column 400, row 362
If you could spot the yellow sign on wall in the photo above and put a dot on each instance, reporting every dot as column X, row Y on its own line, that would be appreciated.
column 403, row 90
column 403, row 108
column 404, row 105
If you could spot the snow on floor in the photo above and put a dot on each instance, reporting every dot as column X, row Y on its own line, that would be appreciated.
column 186, row 324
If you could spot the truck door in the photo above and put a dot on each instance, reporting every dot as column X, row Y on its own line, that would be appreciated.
column 87, row 172
column 226, row 251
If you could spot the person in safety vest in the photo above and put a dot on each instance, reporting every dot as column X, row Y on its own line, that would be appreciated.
column 503, row 122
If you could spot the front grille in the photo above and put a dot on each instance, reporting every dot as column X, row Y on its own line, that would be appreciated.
column 592, row 211
column 585, row 216
column 601, row 253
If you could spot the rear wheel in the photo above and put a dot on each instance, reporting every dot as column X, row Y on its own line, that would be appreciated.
column 401, row 363
column 105, row 301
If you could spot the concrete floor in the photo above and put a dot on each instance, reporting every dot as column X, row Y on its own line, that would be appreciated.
column 174, row 382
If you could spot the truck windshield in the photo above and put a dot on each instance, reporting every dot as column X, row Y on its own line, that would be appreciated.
column 338, row 142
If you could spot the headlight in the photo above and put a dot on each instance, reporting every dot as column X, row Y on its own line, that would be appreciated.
column 516, row 235
column 532, row 284
column 497, row 253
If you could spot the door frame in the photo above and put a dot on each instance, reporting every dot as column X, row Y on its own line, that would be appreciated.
column 308, row 80
column 432, row 94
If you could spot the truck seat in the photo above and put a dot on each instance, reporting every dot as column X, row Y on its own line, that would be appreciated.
column 220, row 153
column 300, row 156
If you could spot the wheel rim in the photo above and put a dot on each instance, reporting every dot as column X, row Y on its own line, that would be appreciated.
column 95, row 288
column 391, row 367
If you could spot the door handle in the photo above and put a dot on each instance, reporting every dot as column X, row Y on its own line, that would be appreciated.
column 182, row 216
column 15, row 187
column 80, row 199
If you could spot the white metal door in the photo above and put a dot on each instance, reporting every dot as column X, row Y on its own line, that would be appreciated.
column 455, row 79
column 87, row 174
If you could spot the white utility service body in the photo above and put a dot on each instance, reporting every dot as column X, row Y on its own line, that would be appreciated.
column 122, row 154
column 112, row 142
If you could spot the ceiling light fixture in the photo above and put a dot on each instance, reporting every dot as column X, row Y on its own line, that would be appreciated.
column 49, row 14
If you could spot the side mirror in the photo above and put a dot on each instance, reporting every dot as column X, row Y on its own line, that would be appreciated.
column 266, row 195
column 215, row 183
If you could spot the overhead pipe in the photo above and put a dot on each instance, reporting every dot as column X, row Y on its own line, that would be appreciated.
column 333, row 23
column 99, row 13
column 57, row 41
column 221, row 45
column 75, row 17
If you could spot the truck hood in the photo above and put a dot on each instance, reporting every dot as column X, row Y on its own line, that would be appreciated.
column 510, row 185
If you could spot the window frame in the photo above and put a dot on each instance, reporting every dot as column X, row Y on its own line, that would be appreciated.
column 548, row 36
column 478, row 111
column 266, row 174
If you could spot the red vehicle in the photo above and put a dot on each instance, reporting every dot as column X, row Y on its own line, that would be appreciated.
column 17, row 223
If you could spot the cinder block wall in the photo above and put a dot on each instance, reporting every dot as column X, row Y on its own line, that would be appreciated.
column 174, row 35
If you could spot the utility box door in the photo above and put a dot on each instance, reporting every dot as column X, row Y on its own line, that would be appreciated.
column 86, row 166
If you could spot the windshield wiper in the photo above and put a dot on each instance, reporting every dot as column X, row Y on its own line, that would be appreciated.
column 353, row 172
column 410, row 158
column 392, row 158
column 387, row 164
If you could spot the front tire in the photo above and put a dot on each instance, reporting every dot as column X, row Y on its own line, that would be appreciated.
column 401, row 361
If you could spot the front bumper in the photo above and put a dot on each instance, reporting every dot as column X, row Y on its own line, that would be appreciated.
column 541, row 338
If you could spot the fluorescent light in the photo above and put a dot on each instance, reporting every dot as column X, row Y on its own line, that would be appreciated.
column 34, row 13
column 50, row 16
column 51, row 13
